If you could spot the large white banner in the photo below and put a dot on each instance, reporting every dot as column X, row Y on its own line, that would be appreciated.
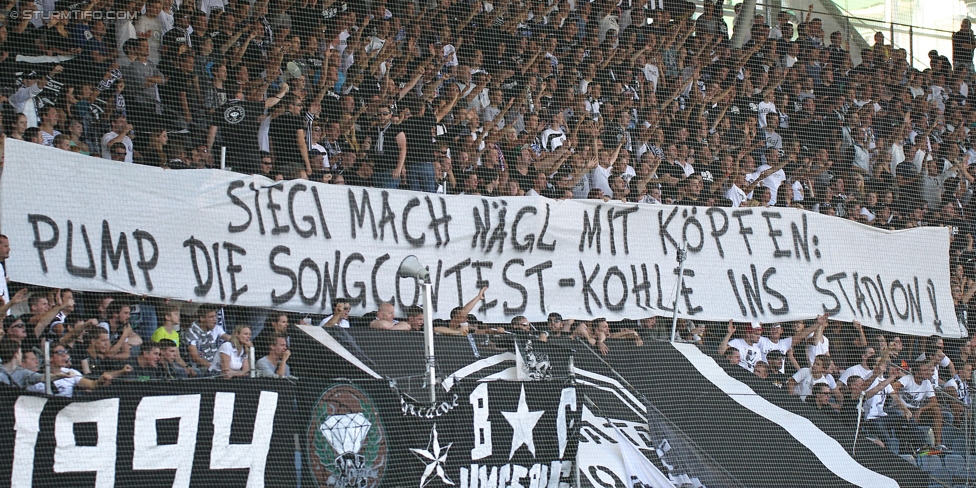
column 221, row 237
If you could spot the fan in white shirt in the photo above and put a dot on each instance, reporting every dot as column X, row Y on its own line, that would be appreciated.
column 802, row 382
column 862, row 370
column 748, row 347
column 958, row 387
column 915, row 390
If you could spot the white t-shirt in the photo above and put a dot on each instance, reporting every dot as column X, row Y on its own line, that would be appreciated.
column 344, row 323
column 818, row 349
column 766, row 345
column 856, row 370
column 765, row 108
column 772, row 181
column 736, row 195
column 63, row 387
column 599, row 178
column 804, row 383
column 750, row 354
column 961, row 387
column 942, row 364
column 4, row 291
column 107, row 149
column 915, row 395
column 236, row 359
column 874, row 406
column 783, row 345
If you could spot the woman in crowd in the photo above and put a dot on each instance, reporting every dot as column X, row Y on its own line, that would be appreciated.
column 232, row 357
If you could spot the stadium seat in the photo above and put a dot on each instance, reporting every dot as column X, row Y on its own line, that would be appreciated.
column 893, row 444
column 955, row 463
column 958, row 445
column 910, row 459
column 930, row 463
column 951, row 435
column 941, row 477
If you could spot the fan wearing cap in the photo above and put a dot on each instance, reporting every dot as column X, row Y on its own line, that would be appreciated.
column 461, row 319
column 748, row 346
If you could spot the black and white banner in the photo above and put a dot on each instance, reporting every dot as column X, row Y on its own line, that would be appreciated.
column 489, row 434
column 221, row 237
column 179, row 434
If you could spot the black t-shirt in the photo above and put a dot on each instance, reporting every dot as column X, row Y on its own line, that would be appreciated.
column 524, row 181
column 744, row 107
column 239, row 123
column 99, row 366
column 671, row 169
column 177, row 82
column 962, row 54
column 284, row 145
column 52, row 39
column 144, row 372
column 22, row 43
column 420, row 139
column 175, row 37
column 387, row 159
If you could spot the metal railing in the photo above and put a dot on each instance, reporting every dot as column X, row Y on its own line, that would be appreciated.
column 855, row 28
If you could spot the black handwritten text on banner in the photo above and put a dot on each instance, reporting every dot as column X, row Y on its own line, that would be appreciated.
column 221, row 237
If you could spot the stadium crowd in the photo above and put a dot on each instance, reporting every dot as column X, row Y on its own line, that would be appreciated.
column 630, row 100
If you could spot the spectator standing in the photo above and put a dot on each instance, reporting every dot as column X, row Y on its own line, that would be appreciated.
column 386, row 320
column 387, row 144
column 287, row 138
column 239, row 122
column 803, row 381
column 748, row 346
column 25, row 100
column 98, row 359
column 963, row 44
column 150, row 27
column 120, row 332
column 4, row 254
column 121, row 133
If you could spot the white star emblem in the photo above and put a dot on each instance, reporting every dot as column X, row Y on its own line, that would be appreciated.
column 436, row 459
column 522, row 421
